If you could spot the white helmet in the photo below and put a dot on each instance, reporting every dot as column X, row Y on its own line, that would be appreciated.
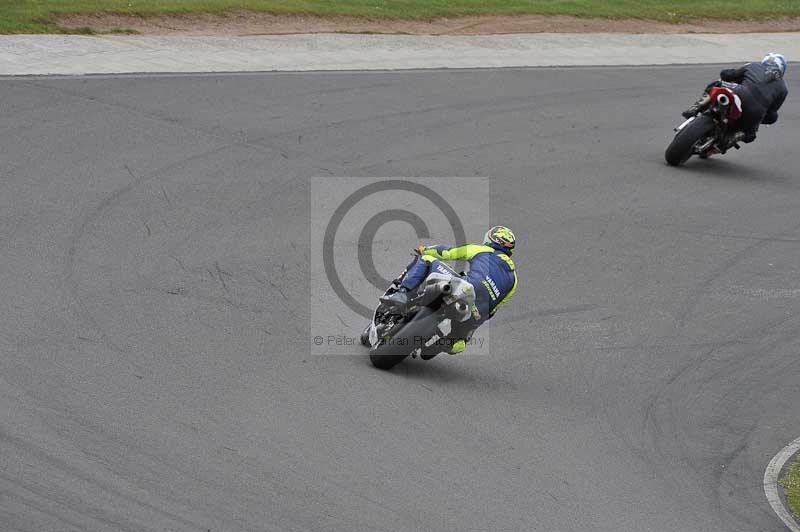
column 776, row 61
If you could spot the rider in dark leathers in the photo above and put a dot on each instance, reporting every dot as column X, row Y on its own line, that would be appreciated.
column 761, row 88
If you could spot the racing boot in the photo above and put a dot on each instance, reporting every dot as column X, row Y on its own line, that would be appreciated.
column 696, row 107
column 691, row 111
column 732, row 141
column 458, row 347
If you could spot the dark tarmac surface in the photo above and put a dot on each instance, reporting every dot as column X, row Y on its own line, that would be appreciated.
column 155, row 371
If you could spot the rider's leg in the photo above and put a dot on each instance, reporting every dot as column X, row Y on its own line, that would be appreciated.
column 416, row 273
column 461, row 334
column 697, row 106
column 749, row 128
column 747, row 133
column 456, row 341
column 752, row 114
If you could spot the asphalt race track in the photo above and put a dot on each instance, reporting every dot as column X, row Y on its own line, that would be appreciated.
column 155, row 370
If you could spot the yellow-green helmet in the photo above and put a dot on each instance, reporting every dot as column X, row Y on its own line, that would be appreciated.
column 500, row 237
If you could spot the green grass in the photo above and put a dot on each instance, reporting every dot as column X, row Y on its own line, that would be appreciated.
column 791, row 485
column 38, row 16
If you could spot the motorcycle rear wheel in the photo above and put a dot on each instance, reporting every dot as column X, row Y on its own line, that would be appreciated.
column 387, row 355
column 682, row 146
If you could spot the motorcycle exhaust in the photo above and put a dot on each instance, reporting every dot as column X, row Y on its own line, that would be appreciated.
column 702, row 148
column 723, row 100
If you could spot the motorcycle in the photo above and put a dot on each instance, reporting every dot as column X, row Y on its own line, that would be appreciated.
column 423, row 327
column 712, row 130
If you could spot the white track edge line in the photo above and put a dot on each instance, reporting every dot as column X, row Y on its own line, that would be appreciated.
column 771, row 484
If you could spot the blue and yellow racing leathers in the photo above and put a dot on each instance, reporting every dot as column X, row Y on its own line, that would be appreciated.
column 491, row 272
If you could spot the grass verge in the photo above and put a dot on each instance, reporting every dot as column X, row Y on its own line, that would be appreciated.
column 791, row 486
column 39, row 16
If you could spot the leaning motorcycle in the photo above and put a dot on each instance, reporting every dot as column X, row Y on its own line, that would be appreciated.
column 423, row 327
column 710, row 131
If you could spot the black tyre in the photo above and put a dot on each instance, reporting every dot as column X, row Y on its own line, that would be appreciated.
column 682, row 146
column 402, row 343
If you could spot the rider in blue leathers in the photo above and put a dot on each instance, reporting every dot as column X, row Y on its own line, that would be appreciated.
column 491, row 272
